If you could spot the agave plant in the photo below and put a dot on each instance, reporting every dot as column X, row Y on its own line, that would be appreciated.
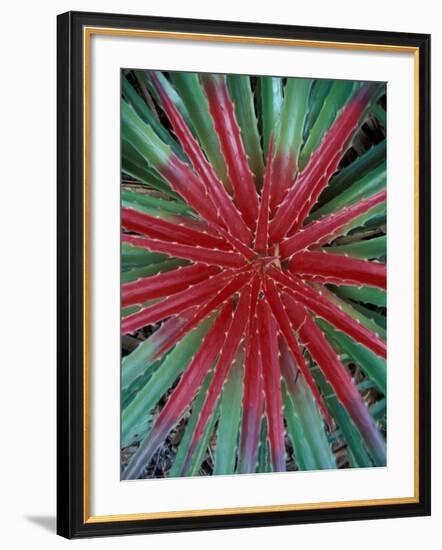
column 254, row 274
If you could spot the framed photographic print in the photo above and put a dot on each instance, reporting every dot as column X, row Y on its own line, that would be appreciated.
column 243, row 274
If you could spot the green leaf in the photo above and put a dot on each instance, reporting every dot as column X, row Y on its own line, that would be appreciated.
column 131, row 390
column 171, row 92
column 339, row 93
column 371, row 364
column 366, row 294
column 229, row 420
column 154, row 205
column 264, row 461
column 319, row 92
column 143, row 138
column 270, row 89
column 378, row 318
column 367, row 249
column 242, row 96
column 135, row 166
column 139, row 429
column 140, row 360
column 197, row 457
column 374, row 218
column 174, row 364
column 133, row 256
column 191, row 93
column 380, row 114
column 144, row 112
column 146, row 271
column 358, row 455
column 293, row 113
column 349, row 308
column 368, row 185
column 355, row 171
column 129, row 310
column 378, row 410
column 306, row 428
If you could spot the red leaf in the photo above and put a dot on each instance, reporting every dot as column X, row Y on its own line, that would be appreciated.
column 331, row 268
column 253, row 397
column 321, row 166
column 177, row 303
column 262, row 227
column 247, row 252
column 268, row 335
column 283, row 174
column 289, row 370
column 164, row 284
column 287, row 331
column 187, row 184
column 338, row 377
column 231, row 344
column 325, row 309
column 317, row 232
column 194, row 252
column 226, row 126
column 202, row 312
column 139, row 222
column 183, row 394
column 228, row 215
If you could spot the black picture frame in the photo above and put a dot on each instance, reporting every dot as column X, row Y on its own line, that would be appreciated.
column 71, row 518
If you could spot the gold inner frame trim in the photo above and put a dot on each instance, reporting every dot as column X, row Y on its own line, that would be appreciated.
column 87, row 34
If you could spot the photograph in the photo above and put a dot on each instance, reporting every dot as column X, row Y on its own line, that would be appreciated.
column 244, row 274
column 253, row 274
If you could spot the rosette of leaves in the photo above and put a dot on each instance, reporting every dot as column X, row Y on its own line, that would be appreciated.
column 254, row 274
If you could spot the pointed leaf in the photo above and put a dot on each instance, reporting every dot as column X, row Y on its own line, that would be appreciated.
column 242, row 96
column 176, row 304
column 222, row 369
column 326, row 228
column 289, row 138
column 338, row 94
column 358, row 455
column 339, row 379
column 269, row 349
column 270, row 89
column 189, row 88
column 321, row 166
column 220, row 297
column 157, row 228
column 144, row 112
column 374, row 296
column 141, row 358
column 277, row 307
column 304, row 422
column 253, row 397
column 370, row 183
column 164, row 284
column 328, row 268
column 367, row 249
column 146, row 271
column 227, row 213
column 330, row 312
column 372, row 365
column 229, row 419
column 354, row 172
column 182, row 395
column 208, row 256
column 152, row 392
column 262, row 227
column 232, row 147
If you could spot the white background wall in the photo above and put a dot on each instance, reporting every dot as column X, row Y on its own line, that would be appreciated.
column 27, row 290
